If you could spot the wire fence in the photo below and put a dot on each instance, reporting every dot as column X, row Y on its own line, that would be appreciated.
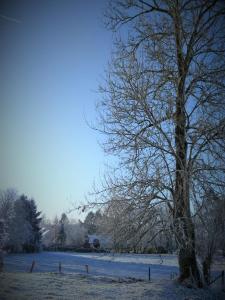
column 102, row 266
column 107, row 265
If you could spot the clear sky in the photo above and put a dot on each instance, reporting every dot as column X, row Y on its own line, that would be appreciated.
column 53, row 54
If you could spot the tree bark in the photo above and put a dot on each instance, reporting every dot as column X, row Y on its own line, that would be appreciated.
column 1, row 261
column 184, row 227
column 206, row 269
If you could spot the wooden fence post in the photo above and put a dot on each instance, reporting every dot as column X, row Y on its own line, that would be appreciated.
column 222, row 279
column 86, row 266
column 149, row 273
column 32, row 266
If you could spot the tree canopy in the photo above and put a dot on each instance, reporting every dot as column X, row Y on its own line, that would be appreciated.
column 162, row 111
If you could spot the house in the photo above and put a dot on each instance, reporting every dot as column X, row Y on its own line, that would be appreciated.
column 98, row 241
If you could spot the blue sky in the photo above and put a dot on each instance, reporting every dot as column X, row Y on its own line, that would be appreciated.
column 53, row 55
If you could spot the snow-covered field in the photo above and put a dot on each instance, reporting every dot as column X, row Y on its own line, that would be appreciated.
column 110, row 277
column 120, row 265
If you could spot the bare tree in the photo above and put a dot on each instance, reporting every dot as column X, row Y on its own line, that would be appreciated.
column 210, row 225
column 7, row 199
column 162, row 110
column 133, row 229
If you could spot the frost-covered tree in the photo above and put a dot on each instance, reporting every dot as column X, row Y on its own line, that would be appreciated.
column 3, row 234
column 3, row 239
column 61, row 235
column 73, row 231
column 21, row 222
column 93, row 221
column 136, row 230
column 26, row 233
column 162, row 110
column 210, row 227
column 76, row 233
column 34, row 218
column 7, row 215
column 47, row 231
column 89, row 223
column 22, row 226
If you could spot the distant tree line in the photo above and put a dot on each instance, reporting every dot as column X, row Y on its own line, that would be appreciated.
column 62, row 233
column 148, row 230
column 20, row 229
column 65, row 233
column 125, row 232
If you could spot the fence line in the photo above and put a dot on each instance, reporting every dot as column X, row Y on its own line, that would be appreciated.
column 218, row 277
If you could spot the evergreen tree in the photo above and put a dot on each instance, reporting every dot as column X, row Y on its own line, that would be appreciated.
column 93, row 221
column 32, row 216
column 3, row 238
column 7, row 217
column 62, row 234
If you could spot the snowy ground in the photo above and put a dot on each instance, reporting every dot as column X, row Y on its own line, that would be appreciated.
column 120, row 265
column 24, row 286
column 109, row 277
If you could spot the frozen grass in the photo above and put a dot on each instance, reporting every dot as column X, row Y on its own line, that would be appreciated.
column 119, row 276
column 24, row 286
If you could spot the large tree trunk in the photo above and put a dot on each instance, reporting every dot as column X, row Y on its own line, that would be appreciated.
column 186, row 256
column 184, row 227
